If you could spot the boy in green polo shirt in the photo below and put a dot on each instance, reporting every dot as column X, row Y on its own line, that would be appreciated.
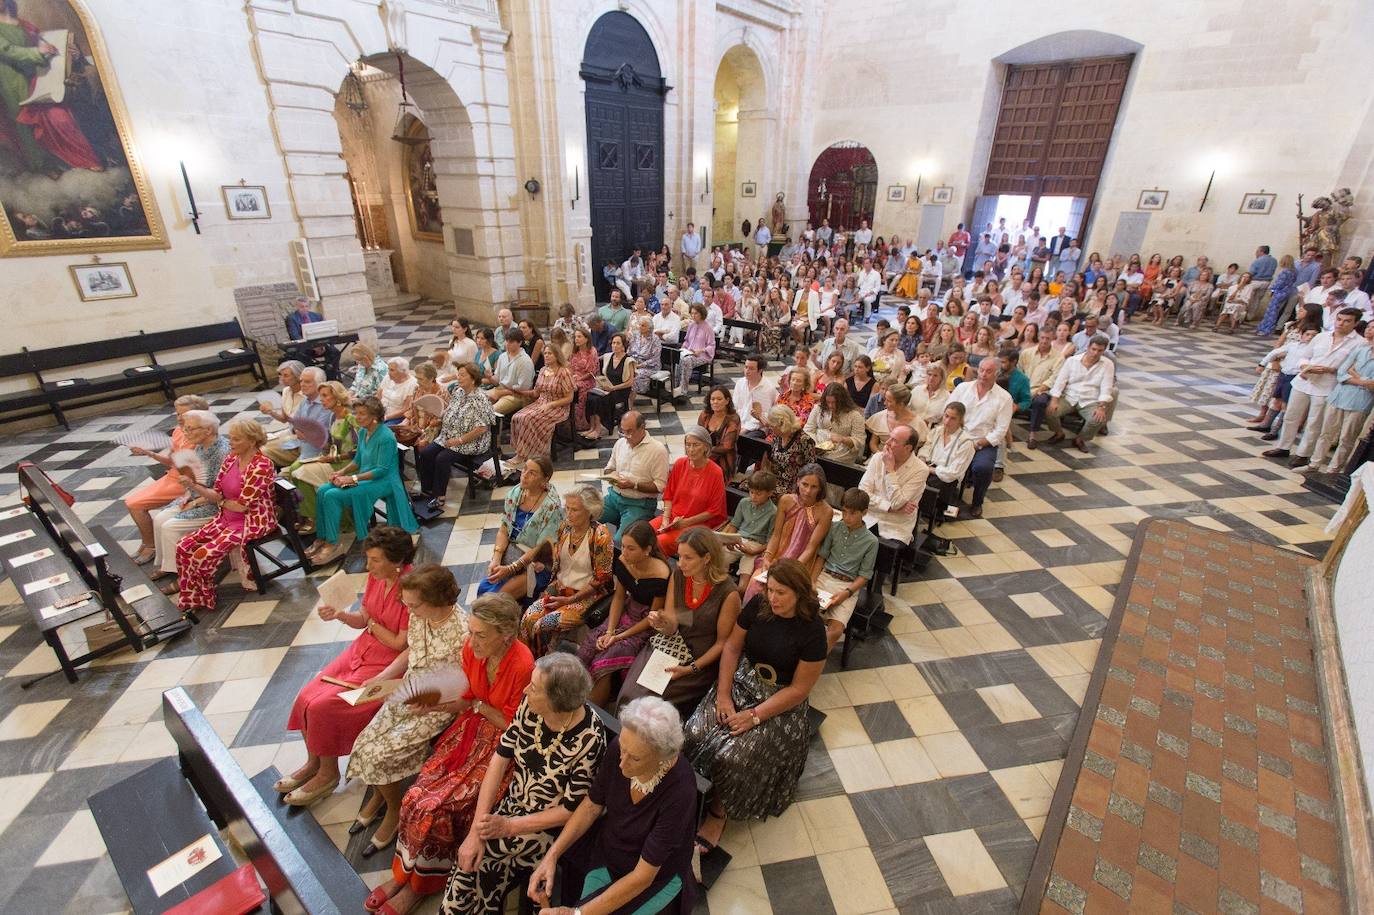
column 849, row 552
column 753, row 521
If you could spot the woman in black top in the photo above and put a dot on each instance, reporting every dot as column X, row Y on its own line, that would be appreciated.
column 860, row 383
column 533, row 345
column 619, row 368
column 749, row 734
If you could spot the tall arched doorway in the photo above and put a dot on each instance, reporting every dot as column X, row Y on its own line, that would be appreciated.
column 625, row 90
column 843, row 186
column 740, row 151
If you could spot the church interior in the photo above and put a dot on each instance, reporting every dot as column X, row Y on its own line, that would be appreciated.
column 633, row 456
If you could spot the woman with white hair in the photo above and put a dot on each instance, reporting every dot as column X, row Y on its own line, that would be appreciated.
column 289, row 372
column 200, row 429
column 371, row 371
column 582, row 555
column 542, row 769
column 155, row 494
column 635, row 825
column 396, row 390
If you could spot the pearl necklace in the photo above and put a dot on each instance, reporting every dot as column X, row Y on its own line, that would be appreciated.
column 547, row 752
column 647, row 787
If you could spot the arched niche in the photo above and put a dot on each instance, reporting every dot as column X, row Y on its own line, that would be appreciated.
column 843, row 185
column 740, row 149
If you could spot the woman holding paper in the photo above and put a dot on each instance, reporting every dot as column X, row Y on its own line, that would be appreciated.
column 749, row 735
column 200, row 430
column 330, row 724
column 434, row 816
column 165, row 489
column 310, row 474
column 247, row 510
column 395, row 743
column 700, row 608
column 530, row 515
column 374, row 473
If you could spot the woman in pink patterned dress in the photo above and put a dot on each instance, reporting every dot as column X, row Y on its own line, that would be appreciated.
column 247, row 510
column 584, row 365
column 531, row 430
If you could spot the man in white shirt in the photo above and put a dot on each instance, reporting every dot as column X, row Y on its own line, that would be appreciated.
column 895, row 479
column 631, row 272
column 754, row 396
column 987, row 417
column 1355, row 297
column 514, row 376
column 864, row 237
column 638, row 471
column 1315, row 380
column 668, row 323
column 1318, row 293
column 762, row 236
column 715, row 317
column 691, row 246
column 824, row 234
column 870, row 289
column 1083, row 386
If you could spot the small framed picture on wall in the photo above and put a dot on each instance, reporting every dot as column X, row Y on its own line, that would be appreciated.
column 1259, row 204
column 1152, row 199
column 896, row 193
column 98, row 282
column 246, row 201
column 942, row 193
column 748, row 189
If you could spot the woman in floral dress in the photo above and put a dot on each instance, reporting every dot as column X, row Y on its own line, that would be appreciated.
column 531, row 430
column 584, row 366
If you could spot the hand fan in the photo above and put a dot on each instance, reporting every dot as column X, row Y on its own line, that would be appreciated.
column 311, row 431
column 189, row 464
column 150, row 441
column 432, row 404
column 433, row 686
column 271, row 398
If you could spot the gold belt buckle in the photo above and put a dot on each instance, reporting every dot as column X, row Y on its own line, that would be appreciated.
column 767, row 673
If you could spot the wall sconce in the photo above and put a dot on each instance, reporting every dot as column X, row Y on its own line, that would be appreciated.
column 1208, row 191
column 707, row 192
column 532, row 186
column 918, row 188
column 577, row 187
column 190, row 195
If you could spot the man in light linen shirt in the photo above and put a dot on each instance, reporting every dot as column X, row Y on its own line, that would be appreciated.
column 987, row 416
column 895, row 479
column 870, row 289
column 754, row 396
column 839, row 343
column 691, row 246
column 864, row 237
column 638, row 471
column 1083, row 386
column 1315, row 380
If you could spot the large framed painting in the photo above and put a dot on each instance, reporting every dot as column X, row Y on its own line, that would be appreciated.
column 70, row 182
column 422, row 190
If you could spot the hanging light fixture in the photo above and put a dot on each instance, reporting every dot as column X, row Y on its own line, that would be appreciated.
column 400, row 133
column 352, row 92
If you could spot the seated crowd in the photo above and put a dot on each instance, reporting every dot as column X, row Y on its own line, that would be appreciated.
column 517, row 776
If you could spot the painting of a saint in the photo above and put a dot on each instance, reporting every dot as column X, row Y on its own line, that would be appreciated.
column 69, row 182
column 422, row 191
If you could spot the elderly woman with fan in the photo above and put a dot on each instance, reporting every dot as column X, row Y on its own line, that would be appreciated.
column 243, row 492
column 205, row 451
column 165, row 489
column 309, row 474
column 374, row 473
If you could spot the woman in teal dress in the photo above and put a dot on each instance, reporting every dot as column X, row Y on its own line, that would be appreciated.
column 374, row 473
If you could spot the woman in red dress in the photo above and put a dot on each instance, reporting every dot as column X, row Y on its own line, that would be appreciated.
column 329, row 724
column 695, row 493
column 436, row 813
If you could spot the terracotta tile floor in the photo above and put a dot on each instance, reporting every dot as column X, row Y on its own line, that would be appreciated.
column 1203, row 784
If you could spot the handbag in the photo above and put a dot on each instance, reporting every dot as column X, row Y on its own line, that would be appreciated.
column 57, row 488
column 673, row 645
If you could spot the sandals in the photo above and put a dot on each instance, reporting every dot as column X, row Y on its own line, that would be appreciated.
column 297, row 799
column 376, row 899
column 288, row 783
column 145, row 555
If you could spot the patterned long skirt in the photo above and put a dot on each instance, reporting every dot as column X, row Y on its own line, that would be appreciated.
column 199, row 554
column 1264, row 387
column 436, row 812
column 531, row 430
column 483, row 891
column 538, row 626
column 755, row 773
column 622, row 653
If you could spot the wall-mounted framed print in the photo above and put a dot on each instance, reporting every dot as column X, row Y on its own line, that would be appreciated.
column 942, row 193
column 98, row 282
column 748, row 189
column 1152, row 199
column 246, row 201
column 1260, row 204
column 896, row 193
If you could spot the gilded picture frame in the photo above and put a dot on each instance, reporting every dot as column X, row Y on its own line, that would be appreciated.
column 75, row 183
column 421, row 189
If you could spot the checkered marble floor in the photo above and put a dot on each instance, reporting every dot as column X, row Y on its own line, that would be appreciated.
column 928, row 784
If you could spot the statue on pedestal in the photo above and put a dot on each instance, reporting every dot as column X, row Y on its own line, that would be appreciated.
column 1322, row 229
column 777, row 216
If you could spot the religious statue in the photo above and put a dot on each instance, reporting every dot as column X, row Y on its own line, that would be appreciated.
column 777, row 216
column 1322, row 229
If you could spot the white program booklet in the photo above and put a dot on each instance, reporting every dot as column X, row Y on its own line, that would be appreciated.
column 176, row 869
column 655, row 676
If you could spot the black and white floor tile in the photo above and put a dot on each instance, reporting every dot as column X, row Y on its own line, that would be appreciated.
column 927, row 786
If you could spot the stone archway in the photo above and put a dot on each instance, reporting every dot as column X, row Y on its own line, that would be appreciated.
column 473, row 150
column 739, row 157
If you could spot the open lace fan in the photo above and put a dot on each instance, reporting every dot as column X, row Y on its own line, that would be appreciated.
column 189, row 464
column 309, row 430
column 150, row 440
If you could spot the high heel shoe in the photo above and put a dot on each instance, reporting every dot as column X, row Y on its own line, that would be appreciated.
column 361, row 822
column 298, row 799
column 373, row 846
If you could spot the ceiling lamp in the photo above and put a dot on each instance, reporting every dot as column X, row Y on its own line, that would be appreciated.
column 401, row 132
column 352, row 92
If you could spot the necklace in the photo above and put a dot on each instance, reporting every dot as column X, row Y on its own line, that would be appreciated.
column 646, row 788
column 547, row 752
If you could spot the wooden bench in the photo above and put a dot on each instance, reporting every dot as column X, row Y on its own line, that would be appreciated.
column 52, row 395
column 203, row 790
column 292, row 557
column 739, row 352
column 96, row 568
